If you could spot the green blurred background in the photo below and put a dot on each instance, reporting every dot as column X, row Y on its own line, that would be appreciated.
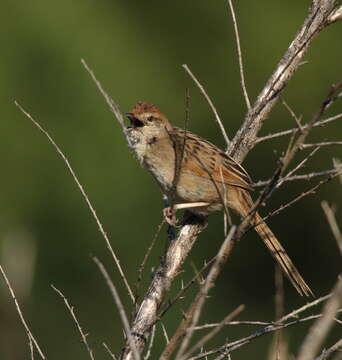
column 136, row 48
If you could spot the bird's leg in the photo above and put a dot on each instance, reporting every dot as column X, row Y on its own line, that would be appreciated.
column 170, row 211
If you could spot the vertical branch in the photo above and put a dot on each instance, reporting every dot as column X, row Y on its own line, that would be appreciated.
column 169, row 268
column 238, row 47
column 120, row 307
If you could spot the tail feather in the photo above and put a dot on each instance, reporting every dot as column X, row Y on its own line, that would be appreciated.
column 276, row 249
column 279, row 253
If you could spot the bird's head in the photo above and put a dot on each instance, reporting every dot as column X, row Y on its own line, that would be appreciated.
column 147, row 118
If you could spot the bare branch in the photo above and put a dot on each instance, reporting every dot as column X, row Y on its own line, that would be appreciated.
column 165, row 333
column 327, row 352
column 192, row 315
column 335, row 15
column 282, row 323
column 245, row 138
column 322, row 326
column 109, row 351
column 72, row 313
column 84, row 194
column 147, row 254
column 213, row 332
column 163, row 277
column 112, row 105
column 295, row 130
column 292, row 113
column 238, row 46
column 217, row 117
column 31, row 348
column 120, row 307
column 330, row 214
column 300, row 177
column 338, row 165
column 30, row 336
column 320, row 144
column 148, row 353
column 312, row 190
column 184, row 288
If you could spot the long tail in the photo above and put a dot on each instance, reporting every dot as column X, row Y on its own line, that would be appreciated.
column 276, row 249
column 279, row 253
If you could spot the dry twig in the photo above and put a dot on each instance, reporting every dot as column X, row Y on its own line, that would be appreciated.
column 238, row 47
column 30, row 336
column 84, row 194
column 216, row 115
column 322, row 326
column 295, row 130
column 213, row 332
column 109, row 351
column 120, row 307
column 316, row 21
column 327, row 352
column 191, row 318
column 330, row 215
column 72, row 313
column 284, row 322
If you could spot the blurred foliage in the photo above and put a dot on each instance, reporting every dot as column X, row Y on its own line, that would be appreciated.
column 136, row 49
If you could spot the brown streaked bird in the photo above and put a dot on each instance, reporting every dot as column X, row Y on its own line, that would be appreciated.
column 204, row 171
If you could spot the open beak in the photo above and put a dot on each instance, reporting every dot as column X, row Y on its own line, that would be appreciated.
column 135, row 123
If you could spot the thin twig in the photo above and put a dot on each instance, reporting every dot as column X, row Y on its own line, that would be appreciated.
column 279, row 345
column 322, row 326
column 224, row 350
column 119, row 305
column 338, row 165
column 192, row 315
column 31, row 348
column 213, row 332
column 148, row 353
column 109, row 351
column 282, row 323
column 113, row 106
column 300, row 177
column 293, row 114
column 316, row 21
column 72, row 313
column 23, row 321
column 301, row 164
column 84, row 194
column 335, row 15
column 217, row 117
column 147, row 254
column 330, row 215
column 327, row 352
column 238, row 47
column 167, row 340
column 232, row 323
column 320, row 144
column 299, row 197
column 295, row 130
column 184, row 288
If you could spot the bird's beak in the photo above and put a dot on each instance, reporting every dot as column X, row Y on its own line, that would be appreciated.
column 134, row 121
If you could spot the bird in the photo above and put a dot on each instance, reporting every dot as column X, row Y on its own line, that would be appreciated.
column 199, row 176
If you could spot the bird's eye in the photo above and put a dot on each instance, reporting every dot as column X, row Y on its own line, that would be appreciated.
column 150, row 118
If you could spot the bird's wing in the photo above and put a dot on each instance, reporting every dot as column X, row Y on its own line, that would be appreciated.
column 206, row 160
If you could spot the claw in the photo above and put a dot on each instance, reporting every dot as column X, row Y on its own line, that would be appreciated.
column 170, row 216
